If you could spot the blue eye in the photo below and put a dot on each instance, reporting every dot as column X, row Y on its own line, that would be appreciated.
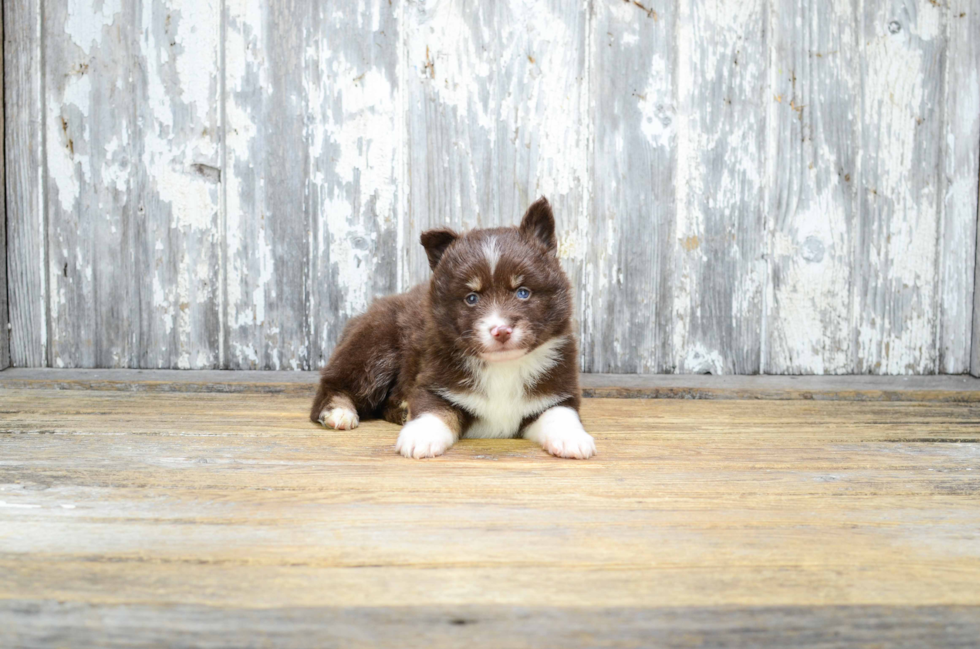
column 472, row 299
column 523, row 293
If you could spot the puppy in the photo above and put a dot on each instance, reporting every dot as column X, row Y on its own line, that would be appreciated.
column 484, row 349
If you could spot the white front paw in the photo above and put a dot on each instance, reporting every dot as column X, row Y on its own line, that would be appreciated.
column 572, row 444
column 339, row 418
column 425, row 436
column 560, row 432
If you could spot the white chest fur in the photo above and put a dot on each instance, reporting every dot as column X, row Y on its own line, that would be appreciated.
column 500, row 399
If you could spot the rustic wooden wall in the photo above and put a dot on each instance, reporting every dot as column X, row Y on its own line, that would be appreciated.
column 4, row 317
column 781, row 186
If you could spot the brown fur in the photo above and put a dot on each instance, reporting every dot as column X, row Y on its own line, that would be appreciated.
column 410, row 348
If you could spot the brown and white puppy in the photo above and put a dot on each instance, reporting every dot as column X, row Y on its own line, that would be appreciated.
column 484, row 349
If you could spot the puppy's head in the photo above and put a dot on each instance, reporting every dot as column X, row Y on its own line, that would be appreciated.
column 499, row 293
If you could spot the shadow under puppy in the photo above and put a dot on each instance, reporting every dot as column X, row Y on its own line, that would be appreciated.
column 484, row 349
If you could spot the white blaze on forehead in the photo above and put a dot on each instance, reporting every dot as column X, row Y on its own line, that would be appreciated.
column 492, row 253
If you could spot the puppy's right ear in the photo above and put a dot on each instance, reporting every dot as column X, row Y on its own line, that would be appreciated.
column 435, row 243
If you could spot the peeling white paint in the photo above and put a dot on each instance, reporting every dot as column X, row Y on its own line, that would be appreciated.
column 698, row 359
column 85, row 23
column 500, row 106
column 446, row 55
column 353, row 138
column 65, row 162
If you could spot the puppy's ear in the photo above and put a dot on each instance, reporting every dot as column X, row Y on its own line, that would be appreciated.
column 538, row 224
column 435, row 243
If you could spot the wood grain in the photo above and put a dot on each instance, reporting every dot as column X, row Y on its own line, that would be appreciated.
column 626, row 289
column 784, row 187
column 132, row 194
column 267, row 229
column 901, row 48
column 720, row 267
column 963, row 389
column 91, row 160
column 355, row 131
column 4, row 311
column 178, row 220
column 212, row 512
column 41, row 624
column 311, row 100
column 23, row 155
column 959, row 183
column 813, row 151
column 962, row 169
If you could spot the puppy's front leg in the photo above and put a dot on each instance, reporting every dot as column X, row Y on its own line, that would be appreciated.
column 434, row 425
column 559, row 431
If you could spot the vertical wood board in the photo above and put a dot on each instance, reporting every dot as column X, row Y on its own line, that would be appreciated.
column 813, row 185
column 132, row 135
column 179, row 238
column 23, row 144
column 4, row 313
column 719, row 246
column 311, row 102
column 627, row 247
column 958, row 185
column 90, row 122
column 897, row 243
column 267, row 251
column 354, row 137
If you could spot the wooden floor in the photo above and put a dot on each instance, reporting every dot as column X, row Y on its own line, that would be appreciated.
column 137, row 519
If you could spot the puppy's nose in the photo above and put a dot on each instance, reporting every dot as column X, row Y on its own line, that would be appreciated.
column 501, row 333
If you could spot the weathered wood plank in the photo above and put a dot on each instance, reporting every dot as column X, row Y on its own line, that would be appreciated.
column 142, row 528
column 895, row 323
column 312, row 167
column 626, row 246
column 720, row 267
column 812, row 176
column 497, row 115
column 140, row 236
column 959, row 183
column 943, row 388
column 45, row 623
column 132, row 198
column 869, row 273
column 962, row 182
column 4, row 312
column 23, row 151
column 90, row 163
column 267, row 230
column 178, row 221
column 355, row 127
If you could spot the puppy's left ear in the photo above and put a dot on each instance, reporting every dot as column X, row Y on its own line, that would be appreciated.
column 538, row 224
column 435, row 243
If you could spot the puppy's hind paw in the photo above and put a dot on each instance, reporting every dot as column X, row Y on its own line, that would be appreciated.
column 339, row 418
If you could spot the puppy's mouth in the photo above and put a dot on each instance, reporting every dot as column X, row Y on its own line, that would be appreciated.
column 503, row 355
